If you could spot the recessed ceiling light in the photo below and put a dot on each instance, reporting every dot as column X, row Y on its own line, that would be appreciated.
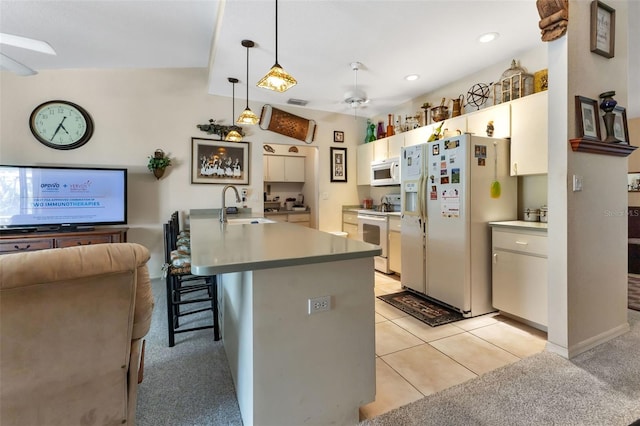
column 486, row 38
column 412, row 77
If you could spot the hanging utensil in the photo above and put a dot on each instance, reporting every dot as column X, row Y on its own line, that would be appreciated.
column 495, row 185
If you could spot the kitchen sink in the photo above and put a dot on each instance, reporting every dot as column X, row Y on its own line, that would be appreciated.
column 248, row 220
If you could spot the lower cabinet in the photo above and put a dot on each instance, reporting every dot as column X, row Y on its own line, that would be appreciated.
column 519, row 273
column 302, row 219
column 395, row 260
column 350, row 224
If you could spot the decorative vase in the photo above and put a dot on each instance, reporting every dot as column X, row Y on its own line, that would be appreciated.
column 607, row 105
column 158, row 173
column 380, row 133
column 370, row 132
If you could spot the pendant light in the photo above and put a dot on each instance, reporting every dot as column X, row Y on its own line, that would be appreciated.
column 277, row 78
column 233, row 135
column 247, row 116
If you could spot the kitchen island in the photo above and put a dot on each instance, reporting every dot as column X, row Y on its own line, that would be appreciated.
column 291, row 367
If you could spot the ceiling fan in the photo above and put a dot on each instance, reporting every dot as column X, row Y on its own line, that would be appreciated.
column 356, row 98
column 14, row 66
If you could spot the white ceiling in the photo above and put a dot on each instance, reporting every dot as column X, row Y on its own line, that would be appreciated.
column 318, row 39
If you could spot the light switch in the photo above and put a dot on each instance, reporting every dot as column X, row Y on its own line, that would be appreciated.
column 577, row 183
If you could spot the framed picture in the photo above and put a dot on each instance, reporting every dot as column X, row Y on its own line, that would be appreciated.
column 219, row 162
column 587, row 119
column 620, row 127
column 338, row 164
column 338, row 136
column 603, row 29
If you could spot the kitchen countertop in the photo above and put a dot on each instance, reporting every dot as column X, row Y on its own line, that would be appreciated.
column 521, row 224
column 218, row 248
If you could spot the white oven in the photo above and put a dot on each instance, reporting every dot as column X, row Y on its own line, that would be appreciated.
column 385, row 172
column 374, row 229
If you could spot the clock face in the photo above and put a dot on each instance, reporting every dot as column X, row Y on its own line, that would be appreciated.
column 61, row 124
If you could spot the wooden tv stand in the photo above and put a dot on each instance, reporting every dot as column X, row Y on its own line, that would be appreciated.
column 31, row 241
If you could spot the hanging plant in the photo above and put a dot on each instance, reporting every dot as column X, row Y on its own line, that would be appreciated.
column 158, row 163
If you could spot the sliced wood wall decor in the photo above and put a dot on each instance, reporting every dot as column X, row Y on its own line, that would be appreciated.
column 554, row 17
column 287, row 124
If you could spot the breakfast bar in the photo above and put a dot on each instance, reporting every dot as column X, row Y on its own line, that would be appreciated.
column 297, row 309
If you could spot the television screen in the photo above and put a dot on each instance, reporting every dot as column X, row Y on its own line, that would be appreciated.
column 46, row 197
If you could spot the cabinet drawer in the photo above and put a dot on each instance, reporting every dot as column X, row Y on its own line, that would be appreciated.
column 351, row 230
column 14, row 246
column 82, row 241
column 305, row 217
column 528, row 243
column 350, row 217
column 276, row 217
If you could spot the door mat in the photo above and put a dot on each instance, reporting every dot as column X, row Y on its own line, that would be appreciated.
column 421, row 308
column 634, row 292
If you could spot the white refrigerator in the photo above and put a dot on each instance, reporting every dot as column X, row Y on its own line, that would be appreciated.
column 451, row 189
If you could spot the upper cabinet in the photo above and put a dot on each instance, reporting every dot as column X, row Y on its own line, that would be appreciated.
column 419, row 135
column 279, row 168
column 396, row 142
column 364, row 157
column 500, row 115
column 380, row 149
column 529, row 138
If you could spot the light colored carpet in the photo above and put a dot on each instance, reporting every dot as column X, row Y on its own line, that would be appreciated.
column 190, row 384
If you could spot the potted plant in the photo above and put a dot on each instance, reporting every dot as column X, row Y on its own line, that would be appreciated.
column 158, row 162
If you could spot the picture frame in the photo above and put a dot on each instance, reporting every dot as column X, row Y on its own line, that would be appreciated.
column 338, row 136
column 219, row 162
column 603, row 29
column 338, row 164
column 587, row 119
column 620, row 126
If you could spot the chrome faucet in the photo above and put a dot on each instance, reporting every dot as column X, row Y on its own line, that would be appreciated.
column 223, row 211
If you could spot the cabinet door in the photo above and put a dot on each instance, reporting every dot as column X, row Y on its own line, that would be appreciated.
column 453, row 125
column 419, row 135
column 294, row 169
column 499, row 114
column 380, row 149
column 529, row 134
column 364, row 156
column 396, row 143
column 395, row 261
column 351, row 230
column 276, row 217
column 520, row 285
column 274, row 168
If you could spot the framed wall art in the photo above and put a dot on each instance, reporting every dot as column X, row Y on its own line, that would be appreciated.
column 603, row 29
column 338, row 164
column 338, row 136
column 219, row 162
column 620, row 127
column 587, row 119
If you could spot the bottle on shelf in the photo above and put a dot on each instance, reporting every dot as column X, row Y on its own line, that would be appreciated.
column 390, row 131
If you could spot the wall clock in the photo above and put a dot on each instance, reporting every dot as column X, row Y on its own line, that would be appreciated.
column 61, row 124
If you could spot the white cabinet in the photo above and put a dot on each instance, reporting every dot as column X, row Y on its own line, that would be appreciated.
column 529, row 134
column 302, row 219
column 519, row 272
column 499, row 114
column 395, row 142
column 454, row 126
column 350, row 224
column 364, row 157
column 278, row 168
column 380, row 149
column 395, row 260
column 419, row 135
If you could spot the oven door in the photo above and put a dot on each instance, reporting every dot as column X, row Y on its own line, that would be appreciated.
column 374, row 229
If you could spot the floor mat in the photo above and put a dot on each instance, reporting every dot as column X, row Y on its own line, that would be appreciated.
column 421, row 308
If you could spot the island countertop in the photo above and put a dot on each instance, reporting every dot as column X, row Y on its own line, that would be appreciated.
column 218, row 248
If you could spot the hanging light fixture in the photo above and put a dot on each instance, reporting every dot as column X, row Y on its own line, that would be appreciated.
column 247, row 116
column 277, row 78
column 233, row 135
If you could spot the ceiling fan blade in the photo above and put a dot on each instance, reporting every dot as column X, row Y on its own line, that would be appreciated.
column 14, row 66
column 27, row 43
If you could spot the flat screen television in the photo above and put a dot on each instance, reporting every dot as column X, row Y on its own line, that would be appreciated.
column 44, row 198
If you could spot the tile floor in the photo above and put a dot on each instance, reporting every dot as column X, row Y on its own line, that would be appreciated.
column 414, row 360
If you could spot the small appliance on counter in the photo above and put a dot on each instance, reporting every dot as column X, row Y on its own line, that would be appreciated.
column 532, row 215
column 544, row 214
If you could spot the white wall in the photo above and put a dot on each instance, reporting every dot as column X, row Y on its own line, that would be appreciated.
column 137, row 111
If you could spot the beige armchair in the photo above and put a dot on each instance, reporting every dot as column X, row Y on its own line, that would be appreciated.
column 72, row 323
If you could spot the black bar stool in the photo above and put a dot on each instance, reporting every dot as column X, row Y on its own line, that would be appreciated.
column 186, row 294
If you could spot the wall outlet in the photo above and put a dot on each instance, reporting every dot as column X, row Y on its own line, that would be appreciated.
column 319, row 304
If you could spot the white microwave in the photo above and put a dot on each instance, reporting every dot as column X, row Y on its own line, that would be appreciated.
column 385, row 172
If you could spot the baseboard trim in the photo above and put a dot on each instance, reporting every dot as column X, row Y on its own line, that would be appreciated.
column 589, row 343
